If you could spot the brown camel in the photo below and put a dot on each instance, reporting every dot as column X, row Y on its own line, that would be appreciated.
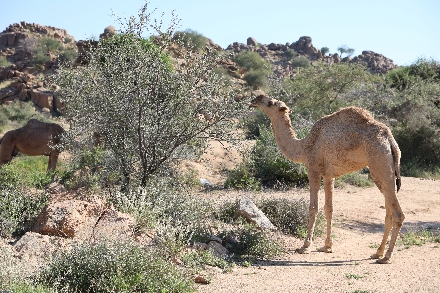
column 34, row 139
column 337, row 144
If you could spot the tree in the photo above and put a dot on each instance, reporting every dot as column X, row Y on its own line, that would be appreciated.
column 322, row 89
column 344, row 49
column 325, row 50
column 148, row 109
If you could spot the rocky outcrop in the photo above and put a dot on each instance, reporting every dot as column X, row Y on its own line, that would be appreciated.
column 303, row 47
column 83, row 220
column 377, row 63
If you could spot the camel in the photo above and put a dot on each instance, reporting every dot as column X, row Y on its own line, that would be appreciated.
column 34, row 139
column 342, row 142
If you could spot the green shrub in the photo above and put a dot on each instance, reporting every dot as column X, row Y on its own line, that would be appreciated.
column 300, row 61
column 403, row 77
column 28, row 171
column 4, row 62
column 290, row 53
column 271, row 167
column 360, row 179
column 18, row 210
column 113, row 267
column 67, row 56
column 250, row 242
column 256, row 78
column 252, row 124
column 242, row 177
column 325, row 50
column 192, row 39
column 17, row 114
column 252, row 60
column 291, row 216
column 420, row 147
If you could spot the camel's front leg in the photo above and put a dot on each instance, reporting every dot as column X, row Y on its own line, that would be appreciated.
column 329, row 184
column 314, row 182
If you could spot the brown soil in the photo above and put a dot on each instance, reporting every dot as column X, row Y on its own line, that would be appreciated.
column 358, row 227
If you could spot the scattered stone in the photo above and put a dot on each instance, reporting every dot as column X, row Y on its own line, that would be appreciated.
column 248, row 210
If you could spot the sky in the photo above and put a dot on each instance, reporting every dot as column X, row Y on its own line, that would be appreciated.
column 402, row 30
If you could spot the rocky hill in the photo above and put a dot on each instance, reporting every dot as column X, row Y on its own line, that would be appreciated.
column 29, row 52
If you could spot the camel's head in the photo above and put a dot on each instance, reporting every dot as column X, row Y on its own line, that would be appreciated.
column 268, row 104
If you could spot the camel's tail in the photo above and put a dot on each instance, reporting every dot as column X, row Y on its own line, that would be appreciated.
column 396, row 159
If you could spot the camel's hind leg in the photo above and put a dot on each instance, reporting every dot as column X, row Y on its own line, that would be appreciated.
column 394, row 214
column 7, row 148
column 314, row 181
column 53, row 157
column 329, row 184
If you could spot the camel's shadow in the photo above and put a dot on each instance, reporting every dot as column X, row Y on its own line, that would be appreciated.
column 333, row 263
column 361, row 226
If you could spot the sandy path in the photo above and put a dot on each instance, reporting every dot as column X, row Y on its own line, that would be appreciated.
column 358, row 225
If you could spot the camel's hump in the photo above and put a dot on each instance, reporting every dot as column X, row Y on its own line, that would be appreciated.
column 352, row 115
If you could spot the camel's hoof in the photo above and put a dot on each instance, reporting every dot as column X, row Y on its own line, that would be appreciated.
column 325, row 249
column 383, row 260
column 376, row 256
column 303, row 250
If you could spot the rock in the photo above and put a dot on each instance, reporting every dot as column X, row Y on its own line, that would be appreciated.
column 82, row 220
column 201, row 280
column 252, row 42
column 41, row 246
column 248, row 210
column 218, row 249
column 43, row 99
column 258, row 93
column 65, row 218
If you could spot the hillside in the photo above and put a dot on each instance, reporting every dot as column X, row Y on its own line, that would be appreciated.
column 30, row 52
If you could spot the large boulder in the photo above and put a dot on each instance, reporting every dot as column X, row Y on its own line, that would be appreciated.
column 83, row 220
column 248, row 210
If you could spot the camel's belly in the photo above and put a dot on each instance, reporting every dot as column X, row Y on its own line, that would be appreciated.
column 345, row 162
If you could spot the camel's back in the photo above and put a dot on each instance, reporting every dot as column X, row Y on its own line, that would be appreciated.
column 35, row 136
column 349, row 128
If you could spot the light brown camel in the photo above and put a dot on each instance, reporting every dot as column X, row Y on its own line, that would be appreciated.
column 337, row 144
column 34, row 139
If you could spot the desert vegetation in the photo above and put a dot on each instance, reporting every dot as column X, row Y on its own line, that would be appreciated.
column 138, row 109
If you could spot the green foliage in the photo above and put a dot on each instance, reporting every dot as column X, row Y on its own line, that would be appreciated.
column 28, row 171
column 419, row 237
column 252, row 124
column 67, row 56
column 18, row 209
column 17, row 115
column 344, row 49
column 4, row 62
column 403, row 77
column 300, row 61
column 113, row 267
column 242, row 177
column 417, row 130
column 250, row 242
column 325, row 50
column 43, row 48
column 323, row 89
column 271, row 167
column 26, row 288
column 256, row 78
column 290, row 53
column 251, row 60
column 146, row 113
column 192, row 39
column 354, row 178
column 291, row 216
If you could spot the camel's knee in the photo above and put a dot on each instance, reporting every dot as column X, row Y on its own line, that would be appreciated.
column 313, row 210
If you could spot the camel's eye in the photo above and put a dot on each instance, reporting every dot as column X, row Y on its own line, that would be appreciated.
column 282, row 108
column 270, row 103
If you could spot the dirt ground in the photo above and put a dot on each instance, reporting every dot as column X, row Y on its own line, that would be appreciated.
column 358, row 227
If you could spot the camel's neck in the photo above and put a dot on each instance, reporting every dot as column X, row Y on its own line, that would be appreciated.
column 285, row 136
